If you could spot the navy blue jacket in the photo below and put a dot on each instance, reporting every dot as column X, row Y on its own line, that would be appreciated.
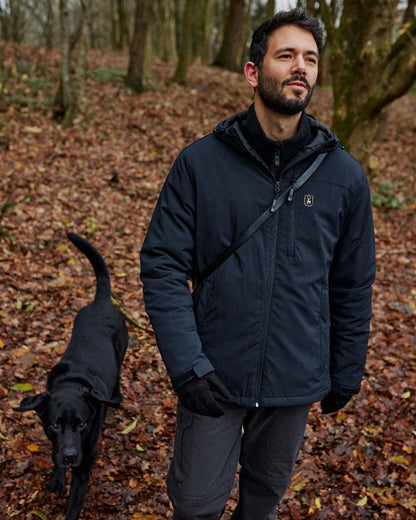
column 286, row 317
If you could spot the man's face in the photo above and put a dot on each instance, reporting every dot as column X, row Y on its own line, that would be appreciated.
column 287, row 76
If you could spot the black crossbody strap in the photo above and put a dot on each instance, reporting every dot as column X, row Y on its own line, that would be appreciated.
column 286, row 195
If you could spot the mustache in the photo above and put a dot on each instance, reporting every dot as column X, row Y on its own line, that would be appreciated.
column 297, row 78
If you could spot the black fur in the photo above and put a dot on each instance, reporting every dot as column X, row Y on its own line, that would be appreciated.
column 82, row 385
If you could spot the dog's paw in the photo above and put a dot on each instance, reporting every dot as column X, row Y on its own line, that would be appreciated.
column 57, row 486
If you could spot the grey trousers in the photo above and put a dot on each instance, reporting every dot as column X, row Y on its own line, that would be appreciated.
column 266, row 442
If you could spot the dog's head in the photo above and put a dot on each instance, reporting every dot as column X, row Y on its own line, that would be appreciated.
column 68, row 417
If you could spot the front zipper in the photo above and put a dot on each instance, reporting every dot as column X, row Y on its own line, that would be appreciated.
column 291, row 245
column 269, row 288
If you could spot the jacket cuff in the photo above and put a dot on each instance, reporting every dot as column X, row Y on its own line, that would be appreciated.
column 201, row 369
column 344, row 390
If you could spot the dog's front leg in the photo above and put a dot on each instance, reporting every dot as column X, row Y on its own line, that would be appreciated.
column 79, row 488
column 57, row 484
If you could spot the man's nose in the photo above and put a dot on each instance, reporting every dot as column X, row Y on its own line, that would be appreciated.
column 299, row 66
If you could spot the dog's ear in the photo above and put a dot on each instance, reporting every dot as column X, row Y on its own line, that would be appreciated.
column 37, row 402
column 95, row 395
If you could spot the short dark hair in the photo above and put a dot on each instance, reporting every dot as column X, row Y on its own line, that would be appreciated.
column 299, row 16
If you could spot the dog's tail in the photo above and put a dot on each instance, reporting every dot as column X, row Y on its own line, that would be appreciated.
column 97, row 261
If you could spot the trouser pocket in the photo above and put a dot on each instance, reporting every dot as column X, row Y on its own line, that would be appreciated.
column 182, row 461
column 205, row 458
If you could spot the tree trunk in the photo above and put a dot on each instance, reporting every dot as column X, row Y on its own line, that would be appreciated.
column 208, row 25
column 14, row 21
column 167, row 30
column 49, row 25
column 368, row 70
column 410, row 11
column 77, row 79
column 113, row 24
column 270, row 8
column 228, row 55
column 244, row 36
column 139, row 42
column 123, row 26
column 68, row 98
column 185, row 50
column 62, row 98
column 42, row 13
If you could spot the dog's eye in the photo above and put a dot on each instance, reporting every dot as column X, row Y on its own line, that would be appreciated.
column 82, row 425
column 54, row 426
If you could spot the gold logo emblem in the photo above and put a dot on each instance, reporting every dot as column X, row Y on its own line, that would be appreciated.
column 308, row 200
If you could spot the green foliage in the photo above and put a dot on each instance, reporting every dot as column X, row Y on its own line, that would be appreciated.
column 38, row 514
column 6, row 231
column 40, row 83
column 92, row 225
column 387, row 194
column 107, row 74
column 23, row 387
column 24, row 85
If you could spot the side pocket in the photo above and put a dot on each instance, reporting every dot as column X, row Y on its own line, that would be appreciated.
column 324, row 329
column 182, row 456
column 202, row 296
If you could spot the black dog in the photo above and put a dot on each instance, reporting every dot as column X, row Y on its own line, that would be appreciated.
column 82, row 385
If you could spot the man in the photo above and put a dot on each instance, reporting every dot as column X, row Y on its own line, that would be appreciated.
column 281, row 323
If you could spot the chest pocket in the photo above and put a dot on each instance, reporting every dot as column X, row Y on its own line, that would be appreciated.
column 313, row 219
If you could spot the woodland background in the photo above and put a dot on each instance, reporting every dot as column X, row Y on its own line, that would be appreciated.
column 91, row 159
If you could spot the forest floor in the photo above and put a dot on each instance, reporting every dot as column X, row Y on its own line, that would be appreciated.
column 101, row 179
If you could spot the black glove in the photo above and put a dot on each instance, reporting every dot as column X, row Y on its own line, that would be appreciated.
column 197, row 395
column 334, row 401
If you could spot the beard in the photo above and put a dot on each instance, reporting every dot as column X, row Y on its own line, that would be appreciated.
column 271, row 93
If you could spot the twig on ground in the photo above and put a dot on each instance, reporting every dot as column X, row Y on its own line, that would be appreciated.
column 128, row 316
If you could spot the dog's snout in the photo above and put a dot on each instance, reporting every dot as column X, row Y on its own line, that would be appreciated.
column 70, row 456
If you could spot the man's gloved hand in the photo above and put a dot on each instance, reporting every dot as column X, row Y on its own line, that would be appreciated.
column 334, row 401
column 197, row 395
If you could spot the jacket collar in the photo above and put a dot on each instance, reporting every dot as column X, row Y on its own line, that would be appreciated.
column 243, row 132
column 266, row 147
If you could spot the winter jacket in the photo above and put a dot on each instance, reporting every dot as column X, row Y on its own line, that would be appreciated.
column 286, row 317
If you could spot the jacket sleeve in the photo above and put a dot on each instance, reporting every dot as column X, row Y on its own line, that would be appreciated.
column 351, row 277
column 167, row 258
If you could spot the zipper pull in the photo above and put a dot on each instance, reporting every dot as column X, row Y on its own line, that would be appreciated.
column 276, row 188
column 273, row 207
column 290, row 196
column 277, row 158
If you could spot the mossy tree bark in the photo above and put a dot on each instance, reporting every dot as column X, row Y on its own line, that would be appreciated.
column 235, row 30
column 139, row 45
column 208, row 24
column 166, row 13
column 185, row 50
column 372, row 62
column 270, row 8
column 120, row 33
column 71, row 85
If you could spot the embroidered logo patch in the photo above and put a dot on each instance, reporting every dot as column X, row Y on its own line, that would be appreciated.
column 308, row 200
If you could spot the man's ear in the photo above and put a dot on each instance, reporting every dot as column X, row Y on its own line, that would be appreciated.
column 251, row 74
column 94, row 395
column 37, row 402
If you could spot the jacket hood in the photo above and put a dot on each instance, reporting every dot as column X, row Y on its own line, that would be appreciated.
column 231, row 132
